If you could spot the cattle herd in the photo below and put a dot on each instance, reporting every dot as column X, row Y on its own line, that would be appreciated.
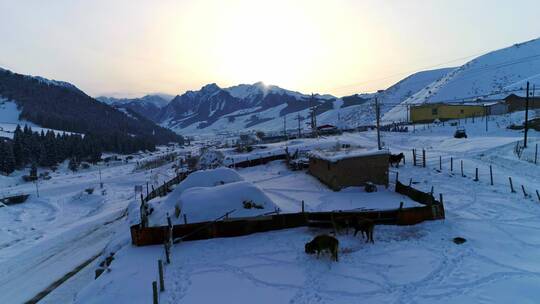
column 324, row 242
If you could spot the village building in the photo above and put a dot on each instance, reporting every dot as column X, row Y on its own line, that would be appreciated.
column 440, row 111
column 328, row 129
column 518, row 103
column 496, row 107
column 350, row 167
column 430, row 112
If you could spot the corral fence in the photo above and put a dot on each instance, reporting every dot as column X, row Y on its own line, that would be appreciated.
column 486, row 174
column 531, row 157
column 258, row 161
column 245, row 226
column 232, row 227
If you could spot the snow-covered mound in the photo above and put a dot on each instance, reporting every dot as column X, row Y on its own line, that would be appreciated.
column 491, row 76
column 209, row 178
column 198, row 179
column 208, row 203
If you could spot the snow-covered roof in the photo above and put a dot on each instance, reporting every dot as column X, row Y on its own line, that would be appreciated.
column 335, row 156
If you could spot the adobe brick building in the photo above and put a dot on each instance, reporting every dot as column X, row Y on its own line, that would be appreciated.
column 341, row 169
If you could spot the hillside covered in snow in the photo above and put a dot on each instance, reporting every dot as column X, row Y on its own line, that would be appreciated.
column 61, row 106
column 491, row 76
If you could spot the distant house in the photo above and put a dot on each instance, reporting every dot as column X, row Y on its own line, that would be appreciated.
column 350, row 167
column 328, row 129
column 441, row 111
column 517, row 103
column 496, row 108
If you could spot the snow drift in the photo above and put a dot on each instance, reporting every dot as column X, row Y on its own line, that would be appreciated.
column 205, row 204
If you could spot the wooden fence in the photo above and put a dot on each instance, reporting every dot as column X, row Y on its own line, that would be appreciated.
column 143, row 236
column 460, row 167
column 259, row 161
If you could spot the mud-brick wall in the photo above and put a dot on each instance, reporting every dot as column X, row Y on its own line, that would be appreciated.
column 354, row 171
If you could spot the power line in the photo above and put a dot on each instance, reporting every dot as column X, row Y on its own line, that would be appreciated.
column 409, row 71
column 473, row 71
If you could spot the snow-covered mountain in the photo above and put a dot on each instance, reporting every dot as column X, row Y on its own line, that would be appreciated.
column 148, row 105
column 491, row 76
column 267, row 107
column 62, row 106
column 243, row 106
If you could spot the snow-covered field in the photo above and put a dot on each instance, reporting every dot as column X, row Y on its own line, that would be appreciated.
column 9, row 119
column 407, row 264
column 48, row 236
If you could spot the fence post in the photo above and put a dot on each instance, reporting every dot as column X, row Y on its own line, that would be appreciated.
column 414, row 157
column 431, row 190
column 476, row 175
column 451, row 164
column 462, row 175
column 185, row 219
column 423, row 158
column 397, row 177
column 147, row 189
column 491, row 174
column 440, row 163
column 511, row 185
column 167, row 252
column 303, row 206
column 524, row 193
column 154, row 292
column 410, row 181
column 440, row 197
column 161, row 280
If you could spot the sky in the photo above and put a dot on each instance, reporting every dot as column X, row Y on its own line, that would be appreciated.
column 128, row 48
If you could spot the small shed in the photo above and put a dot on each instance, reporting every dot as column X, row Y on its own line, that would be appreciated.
column 350, row 167
column 517, row 103
column 496, row 108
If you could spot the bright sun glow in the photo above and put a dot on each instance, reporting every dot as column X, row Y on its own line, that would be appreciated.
column 277, row 47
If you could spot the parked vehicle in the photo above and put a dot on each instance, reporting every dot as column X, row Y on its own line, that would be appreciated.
column 460, row 133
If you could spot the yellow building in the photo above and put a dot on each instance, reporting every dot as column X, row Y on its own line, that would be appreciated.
column 441, row 111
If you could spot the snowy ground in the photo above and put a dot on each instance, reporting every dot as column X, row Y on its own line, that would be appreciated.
column 44, row 238
column 409, row 264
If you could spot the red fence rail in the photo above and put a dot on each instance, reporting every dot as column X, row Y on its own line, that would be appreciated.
column 143, row 236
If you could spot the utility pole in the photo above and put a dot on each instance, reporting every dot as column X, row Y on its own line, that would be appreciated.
column 487, row 116
column 377, row 112
column 299, row 129
column 526, row 117
column 313, row 117
column 285, row 125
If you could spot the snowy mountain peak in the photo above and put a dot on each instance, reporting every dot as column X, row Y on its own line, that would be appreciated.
column 210, row 88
